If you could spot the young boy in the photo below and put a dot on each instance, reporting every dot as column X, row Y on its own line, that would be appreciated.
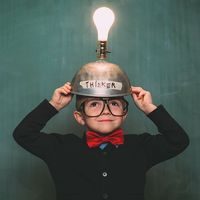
column 105, row 163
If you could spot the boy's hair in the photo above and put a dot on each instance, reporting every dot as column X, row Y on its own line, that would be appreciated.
column 79, row 100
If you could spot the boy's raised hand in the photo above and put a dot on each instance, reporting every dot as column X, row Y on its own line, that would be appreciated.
column 61, row 97
column 143, row 99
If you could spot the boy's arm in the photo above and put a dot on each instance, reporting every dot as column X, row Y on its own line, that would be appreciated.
column 172, row 139
column 28, row 133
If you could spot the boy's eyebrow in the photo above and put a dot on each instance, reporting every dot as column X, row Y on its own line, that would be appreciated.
column 93, row 99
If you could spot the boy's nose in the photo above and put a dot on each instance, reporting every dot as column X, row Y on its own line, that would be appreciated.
column 106, row 109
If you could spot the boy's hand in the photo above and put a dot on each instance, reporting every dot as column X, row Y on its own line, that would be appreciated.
column 143, row 99
column 61, row 97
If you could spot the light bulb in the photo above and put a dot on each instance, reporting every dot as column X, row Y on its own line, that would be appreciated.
column 103, row 19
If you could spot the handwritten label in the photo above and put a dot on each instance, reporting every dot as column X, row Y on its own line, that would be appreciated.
column 103, row 84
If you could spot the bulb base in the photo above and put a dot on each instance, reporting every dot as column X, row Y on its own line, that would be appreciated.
column 102, row 50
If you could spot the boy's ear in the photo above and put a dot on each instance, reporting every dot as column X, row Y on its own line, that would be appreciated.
column 79, row 117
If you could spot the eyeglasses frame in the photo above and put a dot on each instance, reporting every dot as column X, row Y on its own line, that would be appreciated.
column 106, row 101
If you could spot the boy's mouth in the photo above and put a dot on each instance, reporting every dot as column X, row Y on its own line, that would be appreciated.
column 105, row 120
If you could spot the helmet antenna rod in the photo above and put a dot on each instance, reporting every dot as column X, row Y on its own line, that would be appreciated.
column 102, row 50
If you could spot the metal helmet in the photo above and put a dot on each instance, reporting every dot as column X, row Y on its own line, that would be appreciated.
column 100, row 79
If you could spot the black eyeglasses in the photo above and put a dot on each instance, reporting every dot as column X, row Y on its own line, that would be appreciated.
column 94, row 107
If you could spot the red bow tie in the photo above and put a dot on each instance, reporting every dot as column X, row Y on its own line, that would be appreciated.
column 94, row 139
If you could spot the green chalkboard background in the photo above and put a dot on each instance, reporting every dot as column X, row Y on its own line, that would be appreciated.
column 42, row 45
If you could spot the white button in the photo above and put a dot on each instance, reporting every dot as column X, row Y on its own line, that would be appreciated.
column 105, row 174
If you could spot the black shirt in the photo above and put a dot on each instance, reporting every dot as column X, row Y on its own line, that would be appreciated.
column 114, row 173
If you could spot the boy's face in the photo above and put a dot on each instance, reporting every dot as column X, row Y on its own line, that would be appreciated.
column 102, row 115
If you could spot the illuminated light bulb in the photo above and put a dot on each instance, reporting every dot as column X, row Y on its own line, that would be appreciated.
column 103, row 19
